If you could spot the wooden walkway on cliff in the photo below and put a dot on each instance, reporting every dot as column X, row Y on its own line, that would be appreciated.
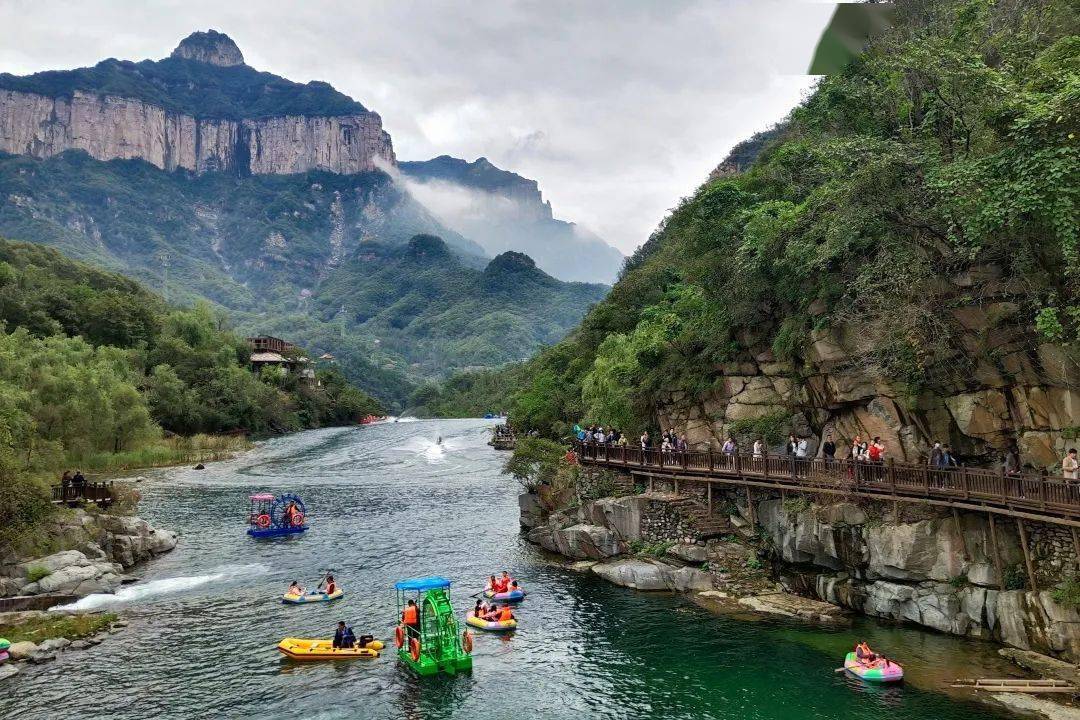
column 1054, row 500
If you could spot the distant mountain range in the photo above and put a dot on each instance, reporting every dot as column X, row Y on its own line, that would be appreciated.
column 504, row 211
column 284, row 202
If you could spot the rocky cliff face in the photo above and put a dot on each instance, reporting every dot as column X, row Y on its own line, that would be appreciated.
column 117, row 128
column 1017, row 388
column 110, row 125
column 96, row 549
column 921, row 568
column 931, row 571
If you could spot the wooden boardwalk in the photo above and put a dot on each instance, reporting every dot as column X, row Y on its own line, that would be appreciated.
column 1031, row 497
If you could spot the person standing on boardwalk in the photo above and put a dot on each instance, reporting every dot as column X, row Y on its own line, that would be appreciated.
column 1070, row 465
column 828, row 449
column 935, row 456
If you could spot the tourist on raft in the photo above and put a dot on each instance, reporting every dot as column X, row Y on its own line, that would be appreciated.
column 343, row 636
column 500, row 585
column 497, row 614
column 331, row 586
column 863, row 653
column 291, row 511
column 295, row 589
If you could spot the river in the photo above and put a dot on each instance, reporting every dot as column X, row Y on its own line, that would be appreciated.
column 385, row 502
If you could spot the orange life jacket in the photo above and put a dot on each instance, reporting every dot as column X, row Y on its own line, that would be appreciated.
column 408, row 616
column 505, row 614
column 500, row 585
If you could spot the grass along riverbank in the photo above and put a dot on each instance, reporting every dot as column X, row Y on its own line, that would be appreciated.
column 177, row 450
column 36, row 627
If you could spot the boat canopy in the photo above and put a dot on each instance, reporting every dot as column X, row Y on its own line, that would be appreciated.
column 262, row 496
column 433, row 582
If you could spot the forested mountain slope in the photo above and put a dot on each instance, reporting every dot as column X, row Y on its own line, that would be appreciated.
column 899, row 261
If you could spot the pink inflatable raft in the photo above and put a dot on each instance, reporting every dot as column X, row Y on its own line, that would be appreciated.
column 882, row 671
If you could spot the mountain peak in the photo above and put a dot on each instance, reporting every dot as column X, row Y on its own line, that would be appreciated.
column 209, row 47
column 511, row 261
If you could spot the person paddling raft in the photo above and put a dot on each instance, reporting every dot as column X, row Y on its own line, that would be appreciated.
column 331, row 586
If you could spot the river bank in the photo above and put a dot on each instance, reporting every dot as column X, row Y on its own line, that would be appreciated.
column 82, row 551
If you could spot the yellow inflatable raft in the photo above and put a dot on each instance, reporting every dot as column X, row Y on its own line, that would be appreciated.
column 308, row 649
column 489, row 625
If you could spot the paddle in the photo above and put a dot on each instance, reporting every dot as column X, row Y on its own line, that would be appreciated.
column 839, row 670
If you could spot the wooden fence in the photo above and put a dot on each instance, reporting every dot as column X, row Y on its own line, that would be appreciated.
column 1054, row 499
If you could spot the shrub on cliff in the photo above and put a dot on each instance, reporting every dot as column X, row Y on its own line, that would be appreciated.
column 535, row 462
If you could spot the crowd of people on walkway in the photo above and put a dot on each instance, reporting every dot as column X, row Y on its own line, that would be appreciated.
column 872, row 451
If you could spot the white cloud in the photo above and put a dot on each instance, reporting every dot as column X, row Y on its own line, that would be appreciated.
column 617, row 107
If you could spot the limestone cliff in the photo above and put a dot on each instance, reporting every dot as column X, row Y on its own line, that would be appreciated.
column 1018, row 387
column 291, row 131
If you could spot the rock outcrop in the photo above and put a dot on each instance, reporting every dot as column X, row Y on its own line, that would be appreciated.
column 933, row 572
column 68, row 573
column 209, row 47
column 1020, row 388
column 641, row 574
column 98, row 548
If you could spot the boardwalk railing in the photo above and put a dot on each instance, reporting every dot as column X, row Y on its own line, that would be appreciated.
column 97, row 493
column 1035, row 496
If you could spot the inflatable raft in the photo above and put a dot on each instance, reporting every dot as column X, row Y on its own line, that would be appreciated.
column 307, row 649
column 882, row 672
column 311, row 597
column 489, row 625
column 508, row 596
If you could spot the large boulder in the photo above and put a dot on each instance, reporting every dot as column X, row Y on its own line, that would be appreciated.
column 650, row 575
column 689, row 553
column 926, row 550
column 636, row 574
column 580, row 542
column 70, row 573
column 622, row 515
column 129, row 540
column 22, row 650
column 531, row 512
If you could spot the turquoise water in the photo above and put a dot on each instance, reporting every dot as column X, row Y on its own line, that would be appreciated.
column 386, row 503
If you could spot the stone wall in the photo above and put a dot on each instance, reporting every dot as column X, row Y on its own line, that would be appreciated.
column 117, row 128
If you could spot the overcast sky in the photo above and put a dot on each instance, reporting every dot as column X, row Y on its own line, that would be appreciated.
column 618, row 108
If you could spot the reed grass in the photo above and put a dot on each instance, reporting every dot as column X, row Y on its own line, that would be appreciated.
column 175, row 450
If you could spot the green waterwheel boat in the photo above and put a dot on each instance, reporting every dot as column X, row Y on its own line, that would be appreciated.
column 433, row 644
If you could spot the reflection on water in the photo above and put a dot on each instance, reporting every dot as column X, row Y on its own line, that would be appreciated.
column 387, row 501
